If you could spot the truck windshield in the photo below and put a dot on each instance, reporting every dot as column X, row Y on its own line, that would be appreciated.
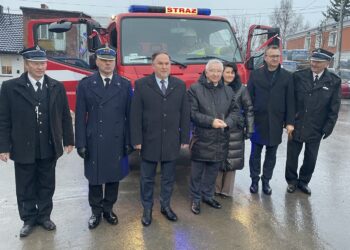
column 189, row 41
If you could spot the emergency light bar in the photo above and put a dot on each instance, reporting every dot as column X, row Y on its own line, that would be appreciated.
column 169, row 10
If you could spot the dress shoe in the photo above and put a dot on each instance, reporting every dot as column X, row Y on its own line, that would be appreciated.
column 254, row 188
column 266, row 188
column 304, row 188
column 110, row 217
column 168, row 213
column 224, row 196
column 291, row 188
column 213, row 203
column 48, row 225
column 216, row 194
column 147, row 217
column 196, row 207
column 94, row 221
column 26, row 230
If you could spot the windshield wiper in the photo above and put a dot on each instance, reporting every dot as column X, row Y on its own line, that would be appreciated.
column 208, row 58
column 149, row 58
column 178, row 63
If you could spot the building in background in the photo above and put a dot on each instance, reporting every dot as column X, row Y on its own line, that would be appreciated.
column 323, row 36
column 11, row 42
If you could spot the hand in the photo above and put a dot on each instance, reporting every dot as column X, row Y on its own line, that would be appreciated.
column 128, row 149
column 248, row 135
column 325, row 135
column 137, row 147
column 184, row 146
column 290, row 129
column 83, row 153
column 68, row 149
column 217, row 123
column 4, row 156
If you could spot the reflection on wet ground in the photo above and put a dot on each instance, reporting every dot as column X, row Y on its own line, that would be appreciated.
column 282, row 221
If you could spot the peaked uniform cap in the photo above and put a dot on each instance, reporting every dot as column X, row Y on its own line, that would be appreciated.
column 321, row 55
column 105, row 52
column 36, row 54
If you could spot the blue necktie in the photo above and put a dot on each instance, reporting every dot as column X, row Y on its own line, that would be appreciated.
column 163, row 88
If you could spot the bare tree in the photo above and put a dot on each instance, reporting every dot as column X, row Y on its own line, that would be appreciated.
column 241, row 25
column 241, row 28
column 287, row 19
column 334, row 9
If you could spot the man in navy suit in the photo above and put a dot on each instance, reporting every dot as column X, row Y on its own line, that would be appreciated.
column 160, row 122
column 102, row 134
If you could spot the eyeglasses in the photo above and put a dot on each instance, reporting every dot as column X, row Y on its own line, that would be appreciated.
column 274, row 56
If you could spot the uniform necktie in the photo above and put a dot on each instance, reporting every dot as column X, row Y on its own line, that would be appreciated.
column 38, row 91
column 38, row 84
column 163, row 88
column 107, row 80
column 316, row 80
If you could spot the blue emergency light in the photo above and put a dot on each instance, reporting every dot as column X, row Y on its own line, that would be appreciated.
column 169, row 10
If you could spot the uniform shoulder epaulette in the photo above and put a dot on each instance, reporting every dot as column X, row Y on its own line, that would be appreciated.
column 300, row 70
column 85, row 78
column 334, row 74
column 124, row 78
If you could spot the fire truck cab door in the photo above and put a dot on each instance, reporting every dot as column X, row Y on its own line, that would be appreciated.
column 70, row 41
column 69, row 47
column 259, row 37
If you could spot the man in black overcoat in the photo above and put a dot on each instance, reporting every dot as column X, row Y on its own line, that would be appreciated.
column 102, row 134
column 34, row 121
column 213, row 112
column 317, row 95
column 272, row 93
column 160, row 122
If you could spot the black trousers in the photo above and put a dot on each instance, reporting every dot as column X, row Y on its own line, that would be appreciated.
column 103, row 203
column 35, row 186
column 148, row 173
column 203, row 177
column 255, row 162
column 310, row 157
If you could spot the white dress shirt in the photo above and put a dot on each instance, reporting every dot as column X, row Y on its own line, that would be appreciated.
column 319, row 75
column 33, row 82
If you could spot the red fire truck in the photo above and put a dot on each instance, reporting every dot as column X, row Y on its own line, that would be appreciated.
column 190, row 35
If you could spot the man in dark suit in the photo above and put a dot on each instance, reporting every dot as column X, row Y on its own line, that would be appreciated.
column 317, row 94
column 34, row 119
column 160, row 121
column 102, row 134
column 272, row 93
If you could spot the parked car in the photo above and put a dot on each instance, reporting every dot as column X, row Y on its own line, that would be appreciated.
column 344, row 74
column 289, row 65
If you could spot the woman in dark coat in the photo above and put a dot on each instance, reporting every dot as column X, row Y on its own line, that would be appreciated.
column 235, row 157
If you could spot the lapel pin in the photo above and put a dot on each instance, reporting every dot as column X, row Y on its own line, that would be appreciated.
column 118, row 83
column 325, row 88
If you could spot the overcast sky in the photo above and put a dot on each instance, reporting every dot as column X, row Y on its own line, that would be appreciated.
column 254, row 10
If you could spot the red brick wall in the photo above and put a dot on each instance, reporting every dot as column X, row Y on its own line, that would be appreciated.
column 298, row 43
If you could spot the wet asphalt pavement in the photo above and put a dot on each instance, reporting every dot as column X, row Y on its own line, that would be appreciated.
column 246, row 221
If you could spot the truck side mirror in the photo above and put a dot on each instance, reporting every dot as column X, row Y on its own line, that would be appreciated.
column 250, row 63
column 60, row 26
